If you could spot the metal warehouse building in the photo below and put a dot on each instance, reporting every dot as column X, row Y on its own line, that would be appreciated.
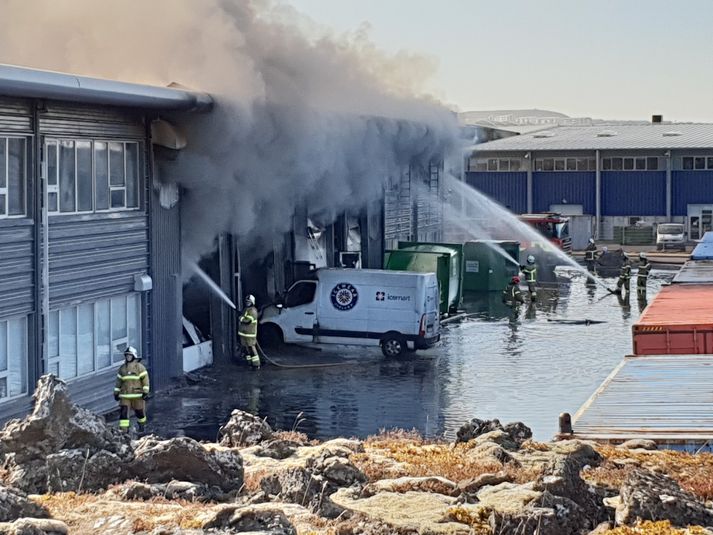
column 83, row 272
column 617, row 174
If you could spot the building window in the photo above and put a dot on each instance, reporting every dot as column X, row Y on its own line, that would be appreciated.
column 13, row 177
column 631, row 163
column 92, row 337
column 91, row 176
column 698, row 163
column 565, row 164
column 13, row 358
column 495, row 164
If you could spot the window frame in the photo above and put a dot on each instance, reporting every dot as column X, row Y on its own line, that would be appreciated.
column 25, row 178
column 55, row 188
column 56, row 360
column 691, row 159
column 5, row 374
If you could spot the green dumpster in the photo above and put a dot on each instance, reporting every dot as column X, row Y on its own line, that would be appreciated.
column 445, row 260
column 486, row 267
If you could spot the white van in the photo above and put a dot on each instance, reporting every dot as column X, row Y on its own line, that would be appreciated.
column 670, row 236
column 397, row 310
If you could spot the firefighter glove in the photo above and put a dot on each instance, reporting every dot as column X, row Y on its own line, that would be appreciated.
column 144, row 396
column 116, row 396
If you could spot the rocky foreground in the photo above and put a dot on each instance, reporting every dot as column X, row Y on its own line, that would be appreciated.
column 66, row 471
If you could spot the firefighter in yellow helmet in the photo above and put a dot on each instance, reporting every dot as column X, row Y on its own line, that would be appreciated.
column 132, row 389
column 247, row 331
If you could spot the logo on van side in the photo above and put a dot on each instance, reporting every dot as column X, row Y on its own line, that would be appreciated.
column 344, row 296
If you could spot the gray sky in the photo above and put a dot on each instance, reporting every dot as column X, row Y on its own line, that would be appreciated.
column 612, row 59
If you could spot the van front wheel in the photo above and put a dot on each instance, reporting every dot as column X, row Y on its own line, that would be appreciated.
column 393, row 345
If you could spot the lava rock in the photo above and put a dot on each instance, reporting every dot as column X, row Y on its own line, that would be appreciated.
column 77, row 470
column 15, row 504
column 639, row 444
column 174, row 490
column 34, row 526
column 473, row 485
column 312, row 485
column 265, row 519
column 436, row 484
column 517, row 431
column 650, row 496
column 278, row 449
column 184, row 459
column 56, row 423
column 244, row 429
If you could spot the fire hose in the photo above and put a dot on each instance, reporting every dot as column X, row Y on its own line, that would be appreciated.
column 295, row 366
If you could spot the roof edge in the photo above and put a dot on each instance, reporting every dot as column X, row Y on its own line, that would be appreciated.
column 34, row 83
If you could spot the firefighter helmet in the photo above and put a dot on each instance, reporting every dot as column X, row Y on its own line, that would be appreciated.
column 642, row 256
column 515, row 280
column 131, row 350
column 530, row 259
column 250, row 300
column 591, row 240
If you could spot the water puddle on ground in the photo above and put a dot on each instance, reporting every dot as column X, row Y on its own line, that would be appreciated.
column 527, row 365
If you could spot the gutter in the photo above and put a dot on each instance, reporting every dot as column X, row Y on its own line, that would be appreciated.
column 33, row 83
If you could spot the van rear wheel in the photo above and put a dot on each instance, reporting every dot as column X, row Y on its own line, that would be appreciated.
column 393, row 345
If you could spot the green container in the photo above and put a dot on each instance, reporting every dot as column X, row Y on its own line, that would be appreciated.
column 445, row 260
column 634, row 235
column 486, row 269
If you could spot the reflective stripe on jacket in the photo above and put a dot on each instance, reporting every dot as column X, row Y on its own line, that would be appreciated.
column 625, row 272
column 644, row 270
column 247, row 325
column 512, row 293
column 132, row 381
column 530, row 273
column 590, row 252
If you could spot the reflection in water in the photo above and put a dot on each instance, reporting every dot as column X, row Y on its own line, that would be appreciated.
column 498, row 363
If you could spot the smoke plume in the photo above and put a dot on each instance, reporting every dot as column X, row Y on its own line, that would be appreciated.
column 301, row 116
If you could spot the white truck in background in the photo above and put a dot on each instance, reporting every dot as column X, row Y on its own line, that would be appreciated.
column 396, row 310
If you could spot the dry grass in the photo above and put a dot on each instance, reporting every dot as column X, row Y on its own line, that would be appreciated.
column 693, row 472
column 405, row 453
column 656, row 528
column 84, row 513
column 478, row 520
column 295, row 436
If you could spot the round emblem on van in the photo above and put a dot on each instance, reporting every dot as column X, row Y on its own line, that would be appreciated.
column 344, row 296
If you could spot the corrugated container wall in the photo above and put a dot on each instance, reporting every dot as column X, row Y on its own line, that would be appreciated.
column 690, row 187
column 574, row 187
column 506, row 188
column 633, row 193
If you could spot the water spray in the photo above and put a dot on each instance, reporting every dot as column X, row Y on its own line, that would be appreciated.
column 488, row 211
column 211, row 284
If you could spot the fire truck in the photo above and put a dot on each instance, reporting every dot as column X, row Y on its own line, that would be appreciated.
column 554, row 227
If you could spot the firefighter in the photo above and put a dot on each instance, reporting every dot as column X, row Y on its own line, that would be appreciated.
column 512, row 296
column 530, row 272
column 132, row 389
column 642, row 276
column 590, row 255
column 247, row 331
column 624, row 277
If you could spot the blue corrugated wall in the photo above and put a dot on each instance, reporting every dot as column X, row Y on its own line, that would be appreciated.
column 576, row 187
column 509, row 189
column 633, row 193
column 690, row 187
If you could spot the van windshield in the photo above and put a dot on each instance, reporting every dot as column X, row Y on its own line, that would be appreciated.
column 670, row 229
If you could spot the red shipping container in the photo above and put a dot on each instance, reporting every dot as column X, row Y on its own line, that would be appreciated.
column 679, row 321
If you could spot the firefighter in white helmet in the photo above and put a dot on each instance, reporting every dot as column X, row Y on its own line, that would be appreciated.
column 530, row 272
column 247, row 332
column 132, row 389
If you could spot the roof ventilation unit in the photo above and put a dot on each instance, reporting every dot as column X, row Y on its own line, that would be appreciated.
column 606, row 133
column 672, row 133
column 544, row 134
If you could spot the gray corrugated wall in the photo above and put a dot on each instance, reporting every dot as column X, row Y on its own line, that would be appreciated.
column 16, row 268
column 167, row 294
column 62, row 119
column 93, row 257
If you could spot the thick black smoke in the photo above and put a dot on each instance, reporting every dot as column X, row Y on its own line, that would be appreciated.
column 298, row 119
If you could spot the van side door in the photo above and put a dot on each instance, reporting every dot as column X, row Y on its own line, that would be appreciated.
column 301, row 306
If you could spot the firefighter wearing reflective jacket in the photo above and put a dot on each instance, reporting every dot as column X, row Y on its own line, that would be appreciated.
column 512, row 296
column 247, row 331
column 624, row 277
column 642, row 276
column 590, row 255
column 530, row 272
column 132, row 389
